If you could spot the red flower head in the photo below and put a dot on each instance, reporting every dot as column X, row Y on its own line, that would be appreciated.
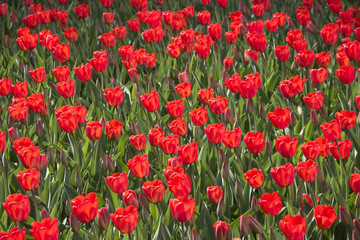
column 293, row 227
column 93, row 130
column 114, row 96
column 355, row 182
column 255, row 26
column 169, row 172
column 346, row 119
column 314, row 100
column 125, row 219
column 82, row 11
column 14, row 233
column 232, row 138
column 66, row 89
column 108, row 39
column 214, row 194
column 17, row 206
column 173, row 50
column 323, row 59
column 61, row 52
column 199, row 116
column 254, row 177
column 71, row 34
column 118, row 182
column 113, row 129
column 187, row 36
column 352, row 49
column 293, row 36
column 270, row 203
column 345, row 149
column 346, row 74
column 324, row 146
column 318, row 75
column 38, row 75
column 218, row 104
column 83, row 72
column 280, row 118
column 32, row 20
column 138, row 142
column 20, row 89
column 202, row 49
column 305, row 58
column 119, row 32
column 178, row 127
column 19, row 112
column 214, row 31
column 204, row 17
column 169, row 144
column 85, row 207
column 3, row 9
column 332, row 130
column 222, row 3
column 180, row 184
column 228, row 63
column 175, row 108
column 329, row 34
column 215, row 133
column 154, row 190
column 286, row 146
column 150, row 101
column 99, row 64
column 258, row 10
column 254, row 142
column 311, row 150
column 282, row 53
column 29, row 179
column 283, row 175
column 106, row 3
column 205, row 95
column 303, row 16
column 139, row 165
column 133, row 25
column 182, row 208
column 130, row 198
column 108, row 18
column 183, row 89
column 231, row 37
column 5, row 86
column 154, row 136
column 307, row 171
column 272, row 25
column 61, row 74
column 46, row 229
column 324, row 216
column 291, row 87
column 256, row 40
column 2, row 141
column 221, row 229
column 188, row 153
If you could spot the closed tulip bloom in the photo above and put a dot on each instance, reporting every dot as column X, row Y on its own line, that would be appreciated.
column 218, row 104
column 204, row 17
column 29, row 156
column 318, row 75
column 283, row 175
column 169, row 172
column 169, row 144
column 61, row 74
column 175, row 108
column 66, row 89
column 154, row 136
column 233, row 83
column 150, row 101
column 38, row 75
column 108, row 39
column 106, row 3
column 138, row 141
column 228, row 63
column 258, row 9
column 355, row 182
column 293, row 36
column 345, row 149
column 293, row 227
column 183, row 89
column 221, row 230
column 255, row 26
column 214, row 31
column 61, row 52
column 291, row 87
column 346, row 74
column 139, row 165
column 270, row 203
column 346, row 118
column 214, row 194
column 280, row 118
column 324, row 146
column 18, row 112
column 154, row 190
column 352, row 49
column 133, row 25
column 323, row 59
column 199, row 116
column 114, row 96
column 29, row 179
column 305, row 58
column 254, row 177
column 85, row 207
column 329, row 34
column 307, row 171
column 282, row 53
column 178, row 127
column 99, row 64
column 180, row 184
column 286, row 146
column 182, row 208
column 36, row 103
column 324, row 216
column 342, row 59
column 119, row 32
column 93, row 130
column 256, row 40
column 231, row 37
column 130, row 198
column 71, row 34
column 311, row 149
column 125, row 219
column 67, row 121
column 188, row 153
column 108, row 18
column 20, row 89
column 173, row 50
column 205, row 95
column 174, row 162
column 118, row 182
column 314, row 100
column 82, row 11
column 5, row 86
column 46, row 229
column 332, row 130
column 303, row 16
column 254, row 141
column 271, row 25
column 113, row 129
column 13, row 234
column 2, row 141
column 215, row 133
column 232, row 138
column 17, row 206
column 83, row 72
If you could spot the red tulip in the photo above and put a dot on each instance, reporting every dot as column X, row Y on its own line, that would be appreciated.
column 183, row 89
column 314, row 100
column 125, row 219
column 175, row 108
column 29, row 179
column 346, row 74
column 270, row 203
column 305, row 58
column 5, row 86
column 118, row 182
column 293, row 36
column 119, row 32
column 61, row 52
column 188, row 153
column 150, row 101
column 108, row 18
column 113, row 129
column 293, row 227
column 329, row 34
column 215, row 133
column 178, row 127
column 205, row 95
column 323, row 59
column 286, row 146
column 283, row 175
column 214, row 194
column 154, row 190
column 311, row 149
column 38, row 75
column 180, row 184
column 154, row 136
column 218, row 104
column 139, row 165
column 85, row 207
column 93, row 130
column 170, row 171
column 307, row 171
column 61, row 74
column 291, row 87
column 17, row 206
column 13, row 234
column 138, row 141
column 254, row 177
column 66, row 89
column 254, row 142
column 182, row 208
column 214, row 31
column 83, row 72
column 130, row 198
column 282, row 53
column 355, row 182
column 221, row 230
column 232, row 138
column 345, row 149
column 204, row 17
column 280, row 118
column 324, row 216
column 346, row 119
column 332, row 130
column 199, row 116
column 256, row 40
column 46, row 229
column 82, row 11
column 169, row 144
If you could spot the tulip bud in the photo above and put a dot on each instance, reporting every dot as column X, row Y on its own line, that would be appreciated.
column 310, row 27
column 138, row 99
column 318, row 8
column 74, row 223
column 52, row 86
column 228, row 116
column 301, row 213
column 166, row 33
column 268, row 147
column 68, row 207
column 14, row 19
column 112, row 58
column 176, row 71
column 314, row 117
column 134, row 129
column 255, row 225
column 110, row 165
column 12, row 134
column 356, row 224
column 11, row 122
column 42, row 162
column 134, row 75
column 220, row 208
column 345, row 217
column 224, row 75
column 225, row 171
column 324, row 186
column 7, row 41
column 44, row 214
column 292, row 119
column 323, row 113
column 357, row 202
column 63, row 158
column 262, row 112
column 184, row 76
column 143, row 201
column 272, row 234
column 109, row 206
column 290, row 22
column 130, row 199
column 114, row 83
column 145, row 214
column 244, row 226
column 77, row 179
column 254, row 204
column 236, row 53
column 249, row 105
column 213, row 84
column 147, row 79
column 50, row 155
column 171, row 84
column 39, row 131
column 221, row 156
column 238, row 188
column 103, row 218
column 246, row 10
column 355, row 235
column 299, row 195
column 224, row 22
column 194, row 235
column 320, row 177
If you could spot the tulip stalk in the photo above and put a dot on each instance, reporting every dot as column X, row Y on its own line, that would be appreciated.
column 183, row 231
column 343, row 171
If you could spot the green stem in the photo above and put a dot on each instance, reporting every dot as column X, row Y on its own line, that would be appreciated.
column 183, row 230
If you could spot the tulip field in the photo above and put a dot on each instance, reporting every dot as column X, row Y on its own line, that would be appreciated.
column 187, row 119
